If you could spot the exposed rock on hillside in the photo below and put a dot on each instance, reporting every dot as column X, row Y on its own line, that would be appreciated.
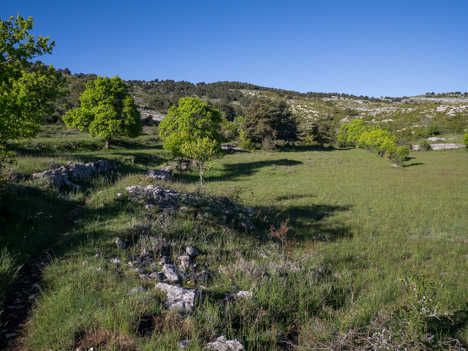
column 170, row 200
column 60, row 177
column 179, row 298
column 159, row 175
column 222, row 344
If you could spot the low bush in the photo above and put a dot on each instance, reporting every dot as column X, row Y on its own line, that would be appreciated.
column 424, row 145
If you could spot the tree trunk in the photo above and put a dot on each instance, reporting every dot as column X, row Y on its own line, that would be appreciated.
column 106, row 146
column 201, row 176
column 180, row 165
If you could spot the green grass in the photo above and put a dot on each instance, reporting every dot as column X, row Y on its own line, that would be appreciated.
column 359, row 231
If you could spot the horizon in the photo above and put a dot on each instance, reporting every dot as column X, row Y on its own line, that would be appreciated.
column 360, row 48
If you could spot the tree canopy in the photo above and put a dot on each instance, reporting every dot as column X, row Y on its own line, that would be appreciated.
column 107, row 110
column 192, row 130
column 269, row 123
column 27, row 90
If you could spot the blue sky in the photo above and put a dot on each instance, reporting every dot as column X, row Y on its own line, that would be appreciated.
column 374, row 48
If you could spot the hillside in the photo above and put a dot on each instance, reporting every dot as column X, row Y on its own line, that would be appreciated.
column 405, row 116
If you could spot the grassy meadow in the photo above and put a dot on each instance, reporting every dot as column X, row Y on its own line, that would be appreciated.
column 364, row 241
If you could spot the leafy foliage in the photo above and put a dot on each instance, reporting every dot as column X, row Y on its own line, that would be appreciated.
column 269, row 123
column 192, row 130
column 107, row 110
column 27, row 91
column 351, row 132
column 322, row 130
column 424, row 145
column 382, row 141
column 465, row 140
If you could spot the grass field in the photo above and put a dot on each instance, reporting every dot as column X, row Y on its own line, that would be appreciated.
column 365, row 241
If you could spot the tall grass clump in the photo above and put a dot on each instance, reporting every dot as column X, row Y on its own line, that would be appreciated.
column 8, row 274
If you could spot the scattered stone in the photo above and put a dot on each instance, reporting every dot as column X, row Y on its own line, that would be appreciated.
column 119, row 243
column 144, row 276
column 100, row 269
column 170, row 271
column 222, row 344
column 191, row 251
column 179, row 298
column 159, row 175
column 116, row 260
column 245, row 294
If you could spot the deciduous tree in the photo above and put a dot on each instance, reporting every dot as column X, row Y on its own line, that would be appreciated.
column 192, row 130
column 107, row 110
column 27, row 91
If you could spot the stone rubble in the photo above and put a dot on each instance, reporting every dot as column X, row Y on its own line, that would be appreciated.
column 159, row 175
column 60, row 177
column 169, row 200
column 222, row 344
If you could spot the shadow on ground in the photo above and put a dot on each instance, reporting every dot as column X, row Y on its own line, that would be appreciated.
column 239, row 170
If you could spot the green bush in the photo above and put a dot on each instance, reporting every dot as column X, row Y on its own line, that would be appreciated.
column 400, row 154
column 430, row 130
column 465, row 141
column 424, row 145
column 351, row 132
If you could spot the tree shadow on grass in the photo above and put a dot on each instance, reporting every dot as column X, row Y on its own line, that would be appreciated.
column 306, row 148
column 413, row 164
column 309, row 222
column 239, row 170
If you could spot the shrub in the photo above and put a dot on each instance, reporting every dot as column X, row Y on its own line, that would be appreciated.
column 424, row 145
column 400, row 154
column 465, row 141
column 351, row 132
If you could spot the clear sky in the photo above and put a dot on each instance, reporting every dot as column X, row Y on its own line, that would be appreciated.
column 374, row 48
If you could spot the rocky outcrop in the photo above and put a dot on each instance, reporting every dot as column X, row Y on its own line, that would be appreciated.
column 179, row 298
column 159, row 175
column 222, row 344
column 170, row 271
column 62, row 176
column 439, row 147
column 154, row 195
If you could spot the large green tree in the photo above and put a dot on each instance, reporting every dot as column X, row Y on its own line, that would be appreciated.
column 269, row 123
column 107, row 110
column 192, row 130
column 27, row 90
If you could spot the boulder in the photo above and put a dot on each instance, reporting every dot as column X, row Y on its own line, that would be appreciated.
column 179, row 298
column 191, row 251
column 170, row 271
